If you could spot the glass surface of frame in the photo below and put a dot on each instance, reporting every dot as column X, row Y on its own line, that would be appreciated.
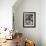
column 29, row 19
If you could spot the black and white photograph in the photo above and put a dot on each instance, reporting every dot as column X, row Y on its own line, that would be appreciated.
column 29, row 19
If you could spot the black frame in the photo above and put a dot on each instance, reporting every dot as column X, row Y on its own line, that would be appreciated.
column 34, row 21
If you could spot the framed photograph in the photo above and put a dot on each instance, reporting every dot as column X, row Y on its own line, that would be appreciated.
column 29, row 19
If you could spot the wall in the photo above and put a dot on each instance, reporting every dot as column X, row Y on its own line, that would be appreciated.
column 29, row 33
column 6, row 13
column 43, row 22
